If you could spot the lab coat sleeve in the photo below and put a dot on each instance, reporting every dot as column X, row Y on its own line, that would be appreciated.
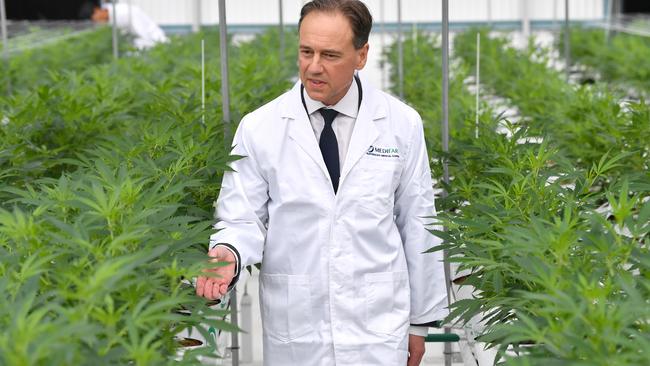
column 241, row 208
column 147, row 33
column 415, row 211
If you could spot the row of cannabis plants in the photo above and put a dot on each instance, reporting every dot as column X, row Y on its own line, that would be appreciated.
column 617, row 57
column 423, row 90
column 554, row 233
column 108, row 179
column 34, row 62
column 584, row 121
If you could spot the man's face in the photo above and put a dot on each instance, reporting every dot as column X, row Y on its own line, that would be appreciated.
column 327, row 58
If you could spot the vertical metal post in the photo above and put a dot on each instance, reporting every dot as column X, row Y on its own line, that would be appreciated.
column 555, row 14
column 225, row 102
column 400, row 51
column 5, row 46
column 225, row 83
column 489, row 13
column 234, row 318
column 525, row 20
column 445, row 147
column 618, row 9
column 196, row 25
column 247, row 326
column 130, row 17
column 116, row 53
column 414, row 30
column 478, row 80
column 382, row 41
column 282, row 44
column 567, row 40
column 203, row 81
column 445, row 86
column 609, row 10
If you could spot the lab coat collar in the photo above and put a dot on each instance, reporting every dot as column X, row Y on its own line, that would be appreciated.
column 364, row 134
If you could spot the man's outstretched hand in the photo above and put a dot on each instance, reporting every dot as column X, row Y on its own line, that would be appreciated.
column 216, row 285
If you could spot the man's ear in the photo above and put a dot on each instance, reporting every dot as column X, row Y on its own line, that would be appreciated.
column 363, row 56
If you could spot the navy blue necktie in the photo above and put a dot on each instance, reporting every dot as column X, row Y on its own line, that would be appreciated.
column 329, row 147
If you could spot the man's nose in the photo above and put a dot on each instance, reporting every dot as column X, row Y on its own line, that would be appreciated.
column 315, row 65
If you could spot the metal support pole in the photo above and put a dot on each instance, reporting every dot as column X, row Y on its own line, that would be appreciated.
column 445, row 86
column 478, row 80
column 130, row 17
column 414, row 33
column 203, row 82
column 5, row 46
column 400, row 51
column 567, row 40
column 489, row 13
column 382, row 41
column 247, row 326
column 554, row 15
column 116, row 53
column 225, row 83
column 617, row 9
column 282, row 41
column 196, row 25
column 445, row 148
column 525, row 20
column 609, row 15
column 234, row 318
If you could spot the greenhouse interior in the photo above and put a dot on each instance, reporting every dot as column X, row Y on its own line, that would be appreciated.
column 142, row 224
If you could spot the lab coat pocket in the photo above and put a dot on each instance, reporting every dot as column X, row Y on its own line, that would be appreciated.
column 387, row 302
column 286, row 306
column 377, row 188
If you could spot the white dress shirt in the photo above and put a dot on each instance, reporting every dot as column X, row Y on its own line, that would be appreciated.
column 343, row 125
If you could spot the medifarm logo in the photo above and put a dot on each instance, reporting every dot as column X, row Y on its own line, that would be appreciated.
column 384, row 152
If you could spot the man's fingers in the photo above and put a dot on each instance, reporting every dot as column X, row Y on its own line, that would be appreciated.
column 216, row 291
column 221, row 253
column 207, row 291
column 216, row 285
column 200, row 284
column 214, row 252
column 221, row 277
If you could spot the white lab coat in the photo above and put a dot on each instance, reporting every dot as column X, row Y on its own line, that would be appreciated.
column 132, row 19
column 342, row 275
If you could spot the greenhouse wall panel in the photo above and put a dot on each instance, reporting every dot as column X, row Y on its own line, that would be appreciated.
column 173, row 12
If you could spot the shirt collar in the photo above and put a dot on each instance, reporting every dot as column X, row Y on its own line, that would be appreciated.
column 348, row 105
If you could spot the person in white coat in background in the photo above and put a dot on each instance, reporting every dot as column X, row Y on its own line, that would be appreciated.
column 131, row 19
column 333, row 196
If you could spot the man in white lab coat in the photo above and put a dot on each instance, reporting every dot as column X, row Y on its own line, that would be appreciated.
column 133, row 20
column 333, row 197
